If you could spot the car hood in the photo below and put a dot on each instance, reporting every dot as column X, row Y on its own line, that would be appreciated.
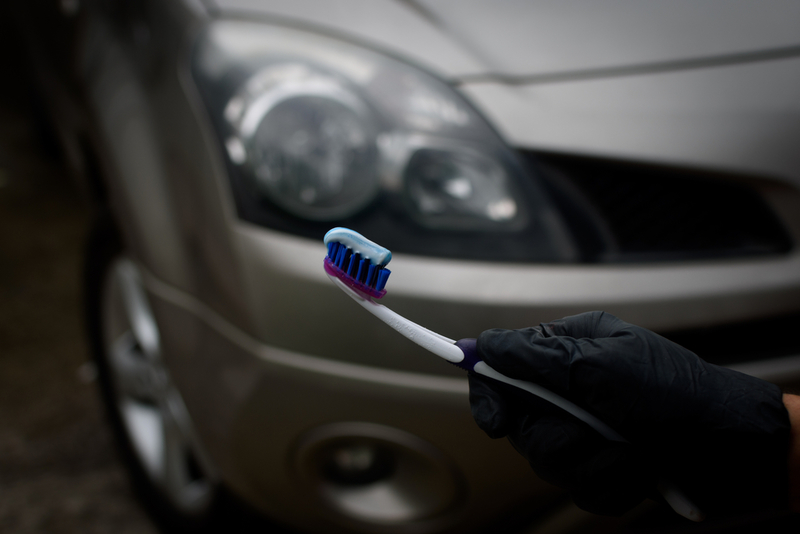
column 468, row 37
column 707, row 84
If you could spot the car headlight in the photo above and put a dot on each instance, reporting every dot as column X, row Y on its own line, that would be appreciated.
column 306, row 139
column 320, row 132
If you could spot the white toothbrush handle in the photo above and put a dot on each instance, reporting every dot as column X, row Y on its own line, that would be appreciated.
column 482, row 368
column 443, row 347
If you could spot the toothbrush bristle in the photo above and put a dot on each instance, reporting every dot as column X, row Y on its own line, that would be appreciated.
column 356, row 271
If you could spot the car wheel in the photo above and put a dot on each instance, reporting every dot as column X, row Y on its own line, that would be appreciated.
column 152, row 425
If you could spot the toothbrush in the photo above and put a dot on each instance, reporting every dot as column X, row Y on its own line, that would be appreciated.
column 358, row 267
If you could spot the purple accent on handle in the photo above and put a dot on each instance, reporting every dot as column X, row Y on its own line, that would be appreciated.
column 469, row 347
column 362, row 289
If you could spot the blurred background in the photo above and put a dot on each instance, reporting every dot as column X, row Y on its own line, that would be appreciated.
column 58, row 468
column 593, row 173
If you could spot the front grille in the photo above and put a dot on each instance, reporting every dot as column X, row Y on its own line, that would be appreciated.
column 641, row 212
column 753, row 340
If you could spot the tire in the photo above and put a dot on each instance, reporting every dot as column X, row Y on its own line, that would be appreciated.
column 149, row 420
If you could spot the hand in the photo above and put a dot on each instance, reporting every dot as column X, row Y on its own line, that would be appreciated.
column 719, row 435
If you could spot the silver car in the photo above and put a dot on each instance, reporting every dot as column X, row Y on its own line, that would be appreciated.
column 522, row 160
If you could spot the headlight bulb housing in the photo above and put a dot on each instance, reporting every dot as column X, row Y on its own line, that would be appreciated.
column 319, row 131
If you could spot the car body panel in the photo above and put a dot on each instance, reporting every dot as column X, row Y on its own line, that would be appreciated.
column 264, row 349
column 383, row 24
column 258, row 401
column 541, row 47
column 432, row 292
column 554, row 36
column 459, row 37
column 738, row 118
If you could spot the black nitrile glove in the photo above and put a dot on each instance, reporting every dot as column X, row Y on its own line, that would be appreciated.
column 719, row 435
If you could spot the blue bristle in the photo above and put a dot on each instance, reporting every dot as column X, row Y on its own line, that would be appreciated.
column 357, row 267
column 357, row 270
column 340, row 256
column 352, row 265
column 383, row 276
column 362, row 270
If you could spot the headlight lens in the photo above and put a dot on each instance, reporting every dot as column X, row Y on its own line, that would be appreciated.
column 306, row 139
column 458, row 188
column 320, row 131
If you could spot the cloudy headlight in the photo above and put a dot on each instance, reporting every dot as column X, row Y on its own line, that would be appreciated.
column 306, row 139
column 319, row 131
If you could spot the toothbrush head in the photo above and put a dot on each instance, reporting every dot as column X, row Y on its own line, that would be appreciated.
column 357, row 261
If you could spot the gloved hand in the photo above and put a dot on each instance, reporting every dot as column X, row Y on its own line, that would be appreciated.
column 719, row 435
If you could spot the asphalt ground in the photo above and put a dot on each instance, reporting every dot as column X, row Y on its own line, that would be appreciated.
column 59, row 472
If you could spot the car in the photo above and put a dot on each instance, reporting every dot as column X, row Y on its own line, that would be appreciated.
column 522, row 162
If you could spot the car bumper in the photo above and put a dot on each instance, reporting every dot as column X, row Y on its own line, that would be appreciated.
column 264, row 409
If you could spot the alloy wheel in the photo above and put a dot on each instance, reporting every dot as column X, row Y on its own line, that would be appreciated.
column 150, row 407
